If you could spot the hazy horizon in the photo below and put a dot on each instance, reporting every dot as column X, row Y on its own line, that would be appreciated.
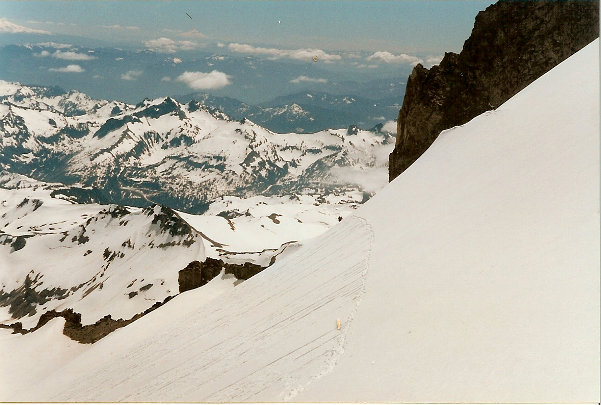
column 253, row 51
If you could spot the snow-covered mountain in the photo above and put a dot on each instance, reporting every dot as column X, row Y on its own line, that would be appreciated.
column 483, row 288
column 180, row 155
column 91, row 258
column 111, row 260
column 262, row 195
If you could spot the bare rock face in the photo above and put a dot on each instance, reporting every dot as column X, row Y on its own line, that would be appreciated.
column 513, row 42
column 196, row 274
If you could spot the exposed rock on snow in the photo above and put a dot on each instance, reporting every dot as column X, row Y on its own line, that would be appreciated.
column 197, row 274
column 84, row 333
column 512, row 44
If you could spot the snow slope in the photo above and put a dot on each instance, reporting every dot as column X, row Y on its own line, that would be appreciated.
column 98, row 260
column 122, row 260
column 472, row 277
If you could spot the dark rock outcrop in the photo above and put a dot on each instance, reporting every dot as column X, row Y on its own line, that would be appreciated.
column 23, row 300
column 512, row 44
column 197, row 274
column 243, row 271
column 83, row 333
column 194, row 275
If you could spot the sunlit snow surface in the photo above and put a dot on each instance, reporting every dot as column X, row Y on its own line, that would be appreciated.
column 101, row 261
column 473, row 277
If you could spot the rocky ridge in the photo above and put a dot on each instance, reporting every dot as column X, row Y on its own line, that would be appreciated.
column 512, row 44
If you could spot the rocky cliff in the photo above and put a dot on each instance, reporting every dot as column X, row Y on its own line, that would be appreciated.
column 512, row 44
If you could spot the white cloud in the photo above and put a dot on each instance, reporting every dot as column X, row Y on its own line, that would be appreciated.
column 299, row 54
column 390, row 127
column 68, row 69
column 69, row 55
column 168, row 45
column 364, row 66
column 352, row 55
column 192, row 34
column 166, row 79
column 121, row 27
column 7, row 26
column 433, row 60
column 220, row 44
column 201, row 80
column 308, row 80
column 54, row 45
column 388, row 57
column 131, row 75
column 176, row 60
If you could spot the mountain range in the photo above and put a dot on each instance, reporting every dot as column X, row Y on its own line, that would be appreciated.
column 180, row 155
column 116, row 187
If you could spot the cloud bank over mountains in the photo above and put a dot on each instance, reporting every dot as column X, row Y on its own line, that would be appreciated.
column 168, row 45
column 67, row 55
column 10, row 27
column 204, row 81
column 306, row 54
column 307, row 79
column 387, row 57
column 68, row 69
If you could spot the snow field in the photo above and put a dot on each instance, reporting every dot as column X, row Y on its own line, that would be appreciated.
column 285, row 319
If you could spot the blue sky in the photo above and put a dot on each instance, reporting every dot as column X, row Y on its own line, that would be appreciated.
column 397, row 26
column 252, row 50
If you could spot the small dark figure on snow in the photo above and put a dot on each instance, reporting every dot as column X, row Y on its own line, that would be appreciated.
column 339, row 219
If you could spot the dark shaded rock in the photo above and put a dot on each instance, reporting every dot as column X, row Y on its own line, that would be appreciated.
column 196, row 274
column 511, row 45
column 168, row 106
column 377, row 128
column 18, row 243
column 115, row 111
column 169, row 221
column 115, row 211
column 78, row 131
column 84, row 333
column 23, row 300
column 274, row 218
column 114, row 123
column 243, row 271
